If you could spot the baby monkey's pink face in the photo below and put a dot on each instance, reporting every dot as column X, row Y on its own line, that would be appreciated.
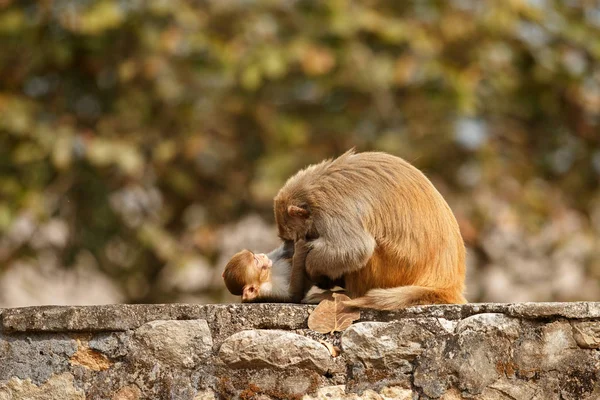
column 246, row 272
column 258, row 272
column 257, row 267
column 262, row 261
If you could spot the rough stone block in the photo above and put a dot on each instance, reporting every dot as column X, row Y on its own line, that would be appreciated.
column 586, row 334
column 35, row 357
column 391, row 345
column 275, row 349
column 490, row 323
column 175, row 343
column 57, row 387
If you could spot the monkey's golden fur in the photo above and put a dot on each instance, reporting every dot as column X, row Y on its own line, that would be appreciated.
column 377, row 221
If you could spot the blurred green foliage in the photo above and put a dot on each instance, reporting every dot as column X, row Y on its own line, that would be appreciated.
column 143, row 126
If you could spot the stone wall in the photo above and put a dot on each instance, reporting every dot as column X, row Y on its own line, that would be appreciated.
column 265, row 351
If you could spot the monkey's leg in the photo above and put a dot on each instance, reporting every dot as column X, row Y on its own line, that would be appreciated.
column 299, row 283
column 315, row 295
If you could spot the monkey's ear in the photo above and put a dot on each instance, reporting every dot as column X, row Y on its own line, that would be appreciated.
column 301, row 212
column 249, row 293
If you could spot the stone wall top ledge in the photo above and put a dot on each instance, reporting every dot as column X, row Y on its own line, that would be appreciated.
column 122, row 317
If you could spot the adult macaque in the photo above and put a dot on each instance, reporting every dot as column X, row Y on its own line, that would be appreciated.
column 377, row 222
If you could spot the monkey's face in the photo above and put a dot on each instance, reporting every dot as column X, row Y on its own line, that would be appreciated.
column 293, row 222
column 257, row 268
column 262, row 263
column 246, row 268
column 259, row 273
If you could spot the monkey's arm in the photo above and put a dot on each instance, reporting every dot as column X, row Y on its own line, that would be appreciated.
column 285, row 251
column 343, row 247
column 299, row 284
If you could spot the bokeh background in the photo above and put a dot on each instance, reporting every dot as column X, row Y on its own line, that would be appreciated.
column 142, row 142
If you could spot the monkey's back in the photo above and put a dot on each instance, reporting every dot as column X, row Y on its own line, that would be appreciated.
column 395, row 202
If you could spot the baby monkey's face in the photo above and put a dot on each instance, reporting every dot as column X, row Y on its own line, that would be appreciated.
column 257, row 272
column 256, row 267
column 262, row 261
column 246, row 272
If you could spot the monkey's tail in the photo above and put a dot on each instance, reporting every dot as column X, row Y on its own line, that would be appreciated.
column 405, row 296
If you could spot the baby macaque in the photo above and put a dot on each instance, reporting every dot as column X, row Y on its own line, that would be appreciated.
column 259, row 277
column 377, row 222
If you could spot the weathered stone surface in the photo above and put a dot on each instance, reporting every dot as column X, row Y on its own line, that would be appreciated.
column 175, row 343
column 129, row 392
column 490, row 323
column 274, row 349
column 36, row 358
column 471, row 356
column 399, row 393
column 586, row 334
column 124, row 317
column 513, row 389
column 266, row 351
column 57, row 387
column 113, row 345
column 548, row 347
column 340, row 392
column 480, row 358
column 281, row 383
column 205, row 395
column 575, row 310
column 391, row 345
column 90, row 359
column 535, row 311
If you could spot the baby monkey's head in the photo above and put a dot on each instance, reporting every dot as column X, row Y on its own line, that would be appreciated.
column 245, row 272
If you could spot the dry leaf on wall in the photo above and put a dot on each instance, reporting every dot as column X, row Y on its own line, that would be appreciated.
column 332, row 316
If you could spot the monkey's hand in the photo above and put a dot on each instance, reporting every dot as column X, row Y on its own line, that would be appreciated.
column 335, row 258
column 301, row 249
